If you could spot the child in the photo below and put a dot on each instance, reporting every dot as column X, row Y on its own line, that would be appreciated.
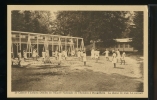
column 114, row 59
column 84, row 58
column 92, row 53
column 123, row 58
column 98, row 52
column 96, row 55
column 24, row 55
column 72, row 53
column 118, row 55
column 79, row 54
column 59, row 57
column 106, row 54
column 56, row 54
column 34, row 55
column 19, row 58
column 43, row 56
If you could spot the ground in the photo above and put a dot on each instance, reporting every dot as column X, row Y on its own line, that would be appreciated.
column 72, row 75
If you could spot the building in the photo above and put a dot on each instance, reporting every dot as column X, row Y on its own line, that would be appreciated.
column 123, row 44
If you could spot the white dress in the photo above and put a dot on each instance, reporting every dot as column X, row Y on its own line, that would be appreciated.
column 114, row 58
column 96, row 54
column 65, row 53
column 19, row 55
column 60, row 56
column 34, row 54
column 118, row 55
column 123, row 56
column 92, row 53
column 24, row 54
column 106, row 53
column 78, row 54
column 43, row 54
column 56, row 53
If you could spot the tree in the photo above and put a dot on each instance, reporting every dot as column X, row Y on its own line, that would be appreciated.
column 136, row 31
column 31, row 21
column 92, row 25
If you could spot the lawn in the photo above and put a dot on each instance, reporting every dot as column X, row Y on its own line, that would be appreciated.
column 72, row 75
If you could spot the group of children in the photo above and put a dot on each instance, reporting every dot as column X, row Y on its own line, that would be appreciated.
column 116, row 56
column 81, row 55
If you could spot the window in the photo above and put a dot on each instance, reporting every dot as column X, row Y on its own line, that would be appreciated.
column 129, row 46
column 121, row 45
column 126, row 45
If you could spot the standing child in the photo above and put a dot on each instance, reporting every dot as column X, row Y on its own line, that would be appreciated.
column 96, row 55
column 114, row 59
column 56, row 54
column 84, row 58
column 19, row 57
column 79, row 54
column 59, row 57
column 123, row 58
column 73, row 53
column 106, row 54
column 118, row 55
column 34, row 55
column 92, row 53
column 24, row 55
column 43, row 56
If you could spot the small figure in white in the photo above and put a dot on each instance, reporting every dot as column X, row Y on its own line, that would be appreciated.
column 84, row 58
column 64, row 53
column 79, row 55
column 56, row 54
column 19, row 57
column 43, row 56
column 106, row 54
column 123, row 58
column 34, row 55
column 92, row 53
column 96, row 55
column 59, row 57
column 24, row 55
column 114, row 59
column 118, row 55
column 47, row 57
column 73, row 53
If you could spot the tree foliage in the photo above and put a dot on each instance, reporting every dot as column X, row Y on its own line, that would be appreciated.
column 136, row 31
column 92, row 25
column 31, row 21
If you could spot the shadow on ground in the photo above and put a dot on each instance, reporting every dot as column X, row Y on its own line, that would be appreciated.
column 54, row 79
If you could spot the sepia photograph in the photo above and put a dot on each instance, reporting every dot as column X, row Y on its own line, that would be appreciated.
column 77, row 51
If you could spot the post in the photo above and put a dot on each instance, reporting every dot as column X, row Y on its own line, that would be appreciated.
column 17, row 48
column 65, row 43
column 52, row 45
column 59, row 43
column 29, row 44
column 77, row 44
column 37, row 45
column 20, row 40
column 82, row 44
